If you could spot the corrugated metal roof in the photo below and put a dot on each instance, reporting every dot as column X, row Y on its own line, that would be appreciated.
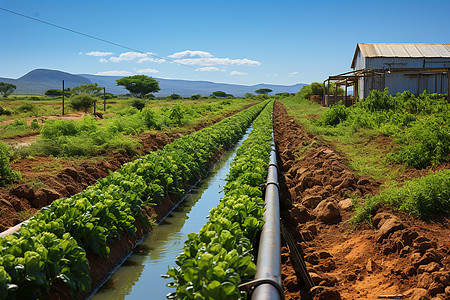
column 425, row 50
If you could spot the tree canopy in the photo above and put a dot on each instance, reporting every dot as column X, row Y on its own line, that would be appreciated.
column 263, row 91
column 221, row 94
column 87, row 89
column 139, row 85
column 53, row 92
column 6, row 89
column 316, row 88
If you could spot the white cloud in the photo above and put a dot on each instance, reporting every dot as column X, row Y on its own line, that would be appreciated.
column 207, row 69
column 210, row 61
column 98, row 53
column 114, row 73
column 127, row 56
column 148, row 71
column 238, row 73
column 151, row 59
column 102, row 60
column 80, row 53
column 293, row 73
column 189, row 53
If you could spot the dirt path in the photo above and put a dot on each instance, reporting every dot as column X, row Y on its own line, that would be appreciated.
column 400, row 255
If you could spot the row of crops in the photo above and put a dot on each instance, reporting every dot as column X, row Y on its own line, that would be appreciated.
column 51, row 248
column 221, row 256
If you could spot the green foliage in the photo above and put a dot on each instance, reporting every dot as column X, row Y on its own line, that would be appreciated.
column 196, row 96
column 248, row 95
column 423, row 197
column 137, row 103
column 177, row 113
column 6, row 89
column 27, row 107
column 6, row 174
column 86, row 89
column 220, row 94
column 335, row 114
column 139, row 85
column 424, row 143
column 175, row 97
column 4, row 111
column 53, row 92
column 316, row 88
column 217, row 259
column 52, row 246
column 263, row 91
column 82, row 102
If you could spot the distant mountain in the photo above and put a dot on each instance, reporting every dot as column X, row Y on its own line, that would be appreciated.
column 40, row 80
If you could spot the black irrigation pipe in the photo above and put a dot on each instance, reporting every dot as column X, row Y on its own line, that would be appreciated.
column 267, row 282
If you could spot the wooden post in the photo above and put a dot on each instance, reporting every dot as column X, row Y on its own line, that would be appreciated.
column 104, row 99
column 345, row 95
column 95, row 105
column 328, row 91
column 448, row 85
column 323, row 93
column 63, row 98
column 335, row 93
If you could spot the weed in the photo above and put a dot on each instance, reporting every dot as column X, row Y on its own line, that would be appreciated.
column 24, row 215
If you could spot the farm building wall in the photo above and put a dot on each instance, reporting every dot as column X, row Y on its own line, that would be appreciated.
column 416, row 83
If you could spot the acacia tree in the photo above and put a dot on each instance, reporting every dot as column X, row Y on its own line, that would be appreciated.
column 86, row 89
column 263, row 91
column 139, row 85
column 6, row 89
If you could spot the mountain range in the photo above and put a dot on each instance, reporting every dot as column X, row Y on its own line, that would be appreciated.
column 38, row 81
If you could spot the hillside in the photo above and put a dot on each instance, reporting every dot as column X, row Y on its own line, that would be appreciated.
column 40, row 80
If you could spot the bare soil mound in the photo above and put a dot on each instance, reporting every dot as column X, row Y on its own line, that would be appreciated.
column 399, row 255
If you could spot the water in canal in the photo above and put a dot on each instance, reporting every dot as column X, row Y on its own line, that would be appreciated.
column 140, row 275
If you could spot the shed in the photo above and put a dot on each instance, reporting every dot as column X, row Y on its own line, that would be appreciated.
column 399, row 67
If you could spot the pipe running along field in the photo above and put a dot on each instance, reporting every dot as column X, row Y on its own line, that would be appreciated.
column 221, row 256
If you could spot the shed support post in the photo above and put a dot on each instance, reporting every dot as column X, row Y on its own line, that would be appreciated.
column 346, row 101
column 323, row 92
column 448, row 85
column 335, row 93
column 328, row 91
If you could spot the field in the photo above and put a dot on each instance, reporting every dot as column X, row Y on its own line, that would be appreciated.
column 364, row 192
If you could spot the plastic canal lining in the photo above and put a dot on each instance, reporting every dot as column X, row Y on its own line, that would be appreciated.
column 139, row 277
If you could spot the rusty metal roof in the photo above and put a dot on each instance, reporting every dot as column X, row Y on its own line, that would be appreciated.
column 424, row 50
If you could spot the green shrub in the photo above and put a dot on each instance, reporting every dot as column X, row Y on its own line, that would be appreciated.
column 423, row 197
column 335, row 114
column 82, row 102
column 149, row 118
column 27, row 107
column 55, row 128
column 6, row 174
column 138, row 104
column 175, row 97
column 4, row 111
column 423, row 144
column 34, row 124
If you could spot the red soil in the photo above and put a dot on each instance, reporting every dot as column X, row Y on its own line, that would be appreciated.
column 399, row 255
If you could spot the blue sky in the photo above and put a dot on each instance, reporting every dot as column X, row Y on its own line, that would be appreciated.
column 243, row 42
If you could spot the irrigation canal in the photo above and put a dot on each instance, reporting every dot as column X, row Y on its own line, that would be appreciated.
column 139, row 277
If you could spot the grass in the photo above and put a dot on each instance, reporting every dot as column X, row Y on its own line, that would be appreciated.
column 422, row 197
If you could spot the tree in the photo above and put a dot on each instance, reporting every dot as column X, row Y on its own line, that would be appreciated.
column 87, row 89
column 6, row 89
column 248, row 95
column 263, row 91
column 139, row 85
column 53, row 92
column 175, row 97
column 221, row 94
column 196, row 96
column 316, row 88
